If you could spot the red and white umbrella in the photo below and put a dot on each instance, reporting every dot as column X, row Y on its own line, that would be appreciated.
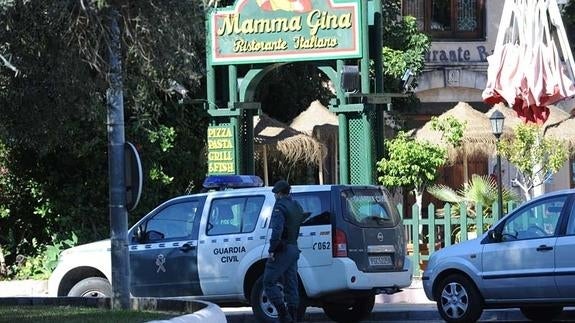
column 527, row 70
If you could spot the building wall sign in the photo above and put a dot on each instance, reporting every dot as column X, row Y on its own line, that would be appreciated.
column 284, row 30
column 221, row 152
column 457, row 55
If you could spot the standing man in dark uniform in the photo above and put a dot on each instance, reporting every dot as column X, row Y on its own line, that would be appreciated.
column 286, row 218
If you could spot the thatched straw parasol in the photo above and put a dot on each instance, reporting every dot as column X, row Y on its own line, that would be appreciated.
column 275, row 137
column 560, row 124
column 318, row 122
column 316, row 115
column 478, row 138
column 564, row 130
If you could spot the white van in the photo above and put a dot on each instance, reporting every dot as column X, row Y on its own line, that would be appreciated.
column 213, row 246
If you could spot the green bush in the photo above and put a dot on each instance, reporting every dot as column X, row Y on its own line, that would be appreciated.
column 41, row 266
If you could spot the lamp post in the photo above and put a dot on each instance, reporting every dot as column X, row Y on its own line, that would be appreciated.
column 497, row 118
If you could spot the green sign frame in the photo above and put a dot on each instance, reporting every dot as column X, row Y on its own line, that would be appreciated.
column 271, row 31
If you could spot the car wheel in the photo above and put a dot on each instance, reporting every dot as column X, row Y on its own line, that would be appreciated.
column 357, row 310
column 92, row 287
column 542, row 313
column 458, row 300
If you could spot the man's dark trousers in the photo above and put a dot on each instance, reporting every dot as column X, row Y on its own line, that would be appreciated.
column 285, row 264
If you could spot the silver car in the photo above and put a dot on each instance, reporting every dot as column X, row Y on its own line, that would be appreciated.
column 525, row 260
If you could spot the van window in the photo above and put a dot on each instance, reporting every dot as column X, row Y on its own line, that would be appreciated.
column 234, row 215
column 317, row 207
column 368, row 207
column 175, row 221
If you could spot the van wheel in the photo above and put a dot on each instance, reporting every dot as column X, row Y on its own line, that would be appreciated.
column 263, row 309
column 458, row 300
column 358, row 310
column 542, row 313
column 92, row 287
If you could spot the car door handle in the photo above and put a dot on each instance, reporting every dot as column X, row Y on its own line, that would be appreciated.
column 544, row 248
column 186, row 247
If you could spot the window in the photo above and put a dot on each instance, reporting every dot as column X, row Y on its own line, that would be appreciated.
column 316, row 205
column 537, row 221
column 448, row 19
column 571, row 223
column 368, row 208
column 175, row 221
column 234, row 215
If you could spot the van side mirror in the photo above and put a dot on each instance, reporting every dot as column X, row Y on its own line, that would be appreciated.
column 140, row 234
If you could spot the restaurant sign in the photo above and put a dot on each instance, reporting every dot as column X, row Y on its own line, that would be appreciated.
column 284, row 30
column 221, row 152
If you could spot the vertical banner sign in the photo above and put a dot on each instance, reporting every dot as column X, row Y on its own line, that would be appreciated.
column 221, row 150
column 258, row 31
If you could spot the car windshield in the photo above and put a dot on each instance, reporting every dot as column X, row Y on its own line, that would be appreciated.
column 368, row 207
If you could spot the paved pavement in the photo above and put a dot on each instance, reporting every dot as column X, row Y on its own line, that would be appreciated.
column 410, row 305
column 398, row 313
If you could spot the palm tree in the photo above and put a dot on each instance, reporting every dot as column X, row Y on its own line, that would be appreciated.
column 480, row 190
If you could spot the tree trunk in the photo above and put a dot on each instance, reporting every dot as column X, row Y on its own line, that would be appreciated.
column 3, row 271
column 419, row 202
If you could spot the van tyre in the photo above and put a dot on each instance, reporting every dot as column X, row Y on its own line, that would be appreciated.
column 458, row 300
column 541, row 313
column 263, row 309
column 358, row 310
column 92, row 287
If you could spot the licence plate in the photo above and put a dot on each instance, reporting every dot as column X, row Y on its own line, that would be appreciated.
column 380, row 261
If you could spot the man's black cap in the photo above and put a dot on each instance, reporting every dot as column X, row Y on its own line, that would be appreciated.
column 281, row 186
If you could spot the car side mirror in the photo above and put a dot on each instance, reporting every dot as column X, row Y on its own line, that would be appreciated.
column 496, row 235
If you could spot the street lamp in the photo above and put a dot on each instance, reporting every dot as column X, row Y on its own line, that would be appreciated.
column 497, row 118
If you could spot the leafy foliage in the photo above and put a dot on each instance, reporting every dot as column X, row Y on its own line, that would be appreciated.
column 451, row 129
column 53, row 168
column 413, row 164
column 479, row 190
column 536, row 157
column 404, row 47
column 53, row 84
column 410, row 163
column 41, row 266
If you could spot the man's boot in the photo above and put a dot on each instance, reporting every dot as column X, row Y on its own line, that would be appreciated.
column 283, row 314
column 293, row 313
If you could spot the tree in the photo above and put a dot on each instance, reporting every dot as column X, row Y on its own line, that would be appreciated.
column 536, row 157
column 414, row 164
column 411, row 164
column 404, row 47
column 53, row 123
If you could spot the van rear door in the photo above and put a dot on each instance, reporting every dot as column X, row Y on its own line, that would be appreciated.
column 373, row 229
column 315, row 231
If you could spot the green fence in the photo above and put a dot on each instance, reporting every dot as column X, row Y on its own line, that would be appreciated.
column 433, row 230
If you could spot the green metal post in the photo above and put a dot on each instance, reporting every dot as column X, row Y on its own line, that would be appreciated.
column 234, row 120
column 367, row 178
column 210, row 74
column 378, row 65
column 343, row 133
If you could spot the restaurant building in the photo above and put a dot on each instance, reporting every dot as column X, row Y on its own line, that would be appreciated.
column 463, row 34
